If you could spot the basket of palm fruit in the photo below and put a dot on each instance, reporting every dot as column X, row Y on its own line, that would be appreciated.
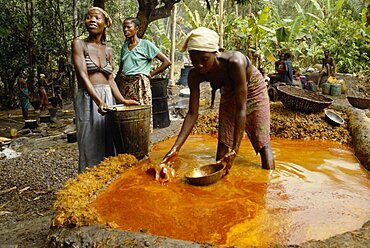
column 302, row 100
column 359, row 102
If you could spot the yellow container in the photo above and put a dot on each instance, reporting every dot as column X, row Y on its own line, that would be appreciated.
column 13, row 132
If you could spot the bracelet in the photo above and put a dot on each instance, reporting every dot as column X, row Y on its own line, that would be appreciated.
column 232, row 151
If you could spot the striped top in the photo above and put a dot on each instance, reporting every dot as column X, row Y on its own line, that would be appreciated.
column 92, row 66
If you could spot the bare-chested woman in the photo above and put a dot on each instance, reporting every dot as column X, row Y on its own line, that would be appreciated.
column 244, row 104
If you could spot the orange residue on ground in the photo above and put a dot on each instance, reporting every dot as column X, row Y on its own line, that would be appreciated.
column 317, row 190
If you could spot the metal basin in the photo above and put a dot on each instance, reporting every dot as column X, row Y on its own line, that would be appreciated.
column 205, row 175
column 333, row 118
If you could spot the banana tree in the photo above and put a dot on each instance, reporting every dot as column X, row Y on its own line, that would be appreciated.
column 250, row 34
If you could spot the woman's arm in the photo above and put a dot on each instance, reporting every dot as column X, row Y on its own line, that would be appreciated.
column 166, row 62
column 240, row 71
column 194, row 79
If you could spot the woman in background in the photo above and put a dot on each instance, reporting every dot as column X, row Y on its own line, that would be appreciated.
column 24, row 95
column 135, row 72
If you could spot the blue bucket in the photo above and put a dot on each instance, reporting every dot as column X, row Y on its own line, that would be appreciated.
column 335, row 89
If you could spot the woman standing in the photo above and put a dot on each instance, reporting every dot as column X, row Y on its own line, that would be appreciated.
column 92, row 60
column 134, row 74
column 41, row 85
column 24, row 95
column 244, row 104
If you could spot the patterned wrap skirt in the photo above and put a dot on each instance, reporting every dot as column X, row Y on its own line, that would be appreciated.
column 258, row 113
column 137, row 88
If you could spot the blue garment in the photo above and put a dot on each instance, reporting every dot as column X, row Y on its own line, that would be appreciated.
column 25, row 102
column 138, row 60
column 287, row 77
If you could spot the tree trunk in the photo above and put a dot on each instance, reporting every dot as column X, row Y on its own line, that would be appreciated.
column 221, row 24
column 149, row 12
column 72, row 78
column 173, row 45
column 99, row 3
column 29, row 40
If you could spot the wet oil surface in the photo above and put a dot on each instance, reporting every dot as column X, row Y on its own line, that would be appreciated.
column 318, row 190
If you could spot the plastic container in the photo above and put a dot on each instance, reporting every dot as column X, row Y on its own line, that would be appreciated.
column 335, row 89
column 13, row 133
column 326, row 88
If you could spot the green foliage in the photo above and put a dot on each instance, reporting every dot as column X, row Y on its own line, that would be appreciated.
column 159, row 36
column 323, row 25
column 341, row 34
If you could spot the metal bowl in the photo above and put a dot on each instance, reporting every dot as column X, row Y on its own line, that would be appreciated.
column 205, row 175
column 333, row 118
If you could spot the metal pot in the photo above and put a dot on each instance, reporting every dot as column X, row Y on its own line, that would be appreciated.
column 45, row 118
column 31, row 124
column 71, row 137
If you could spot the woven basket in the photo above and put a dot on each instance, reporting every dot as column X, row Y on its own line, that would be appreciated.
column 362, row 103
column 302, row 100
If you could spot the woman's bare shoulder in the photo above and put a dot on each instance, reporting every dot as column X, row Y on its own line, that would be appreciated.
column 77, row 42
column 232, row 54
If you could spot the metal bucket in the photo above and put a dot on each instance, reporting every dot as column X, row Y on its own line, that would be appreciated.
column 31, row 124
column 72, row 137
column 131, row 129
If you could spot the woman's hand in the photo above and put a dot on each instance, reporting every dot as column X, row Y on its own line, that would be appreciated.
column 101, row 108
column 164, row 172
column 130, row 102
column 170, row 156
column 228, row 160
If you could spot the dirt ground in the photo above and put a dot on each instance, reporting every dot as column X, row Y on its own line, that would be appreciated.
column 43, row 162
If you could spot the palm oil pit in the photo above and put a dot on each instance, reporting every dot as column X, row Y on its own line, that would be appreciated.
column 318, row 190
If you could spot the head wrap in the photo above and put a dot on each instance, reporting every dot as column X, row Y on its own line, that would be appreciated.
column 42, row 75
column 108, row 20
column 200, row 39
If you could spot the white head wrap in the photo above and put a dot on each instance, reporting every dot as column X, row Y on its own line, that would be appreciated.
column 200, row 39
column 42, row 75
